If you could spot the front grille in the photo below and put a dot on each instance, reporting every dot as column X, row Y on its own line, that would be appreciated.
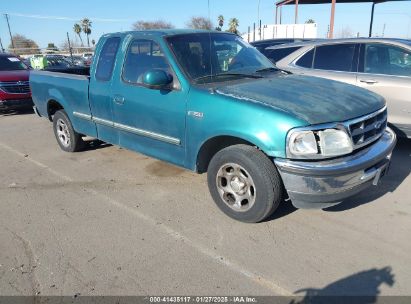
column 365, row 130
column 15, row 87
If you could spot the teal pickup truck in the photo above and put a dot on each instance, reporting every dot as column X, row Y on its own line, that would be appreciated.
column 210, row 102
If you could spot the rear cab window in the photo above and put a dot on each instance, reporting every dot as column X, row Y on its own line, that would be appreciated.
column 107, row 59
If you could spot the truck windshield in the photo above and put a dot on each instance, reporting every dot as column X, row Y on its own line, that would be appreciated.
column 11, row 63
column 212, row 57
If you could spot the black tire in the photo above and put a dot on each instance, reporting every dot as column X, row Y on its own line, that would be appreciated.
column 268, row 189
column 70, row 141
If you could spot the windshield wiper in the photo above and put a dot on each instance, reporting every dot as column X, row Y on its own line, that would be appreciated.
column 272, row 69
column 267, row 70
column 227, row 74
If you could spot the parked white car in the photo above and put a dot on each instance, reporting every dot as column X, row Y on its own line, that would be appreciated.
column 380, row 65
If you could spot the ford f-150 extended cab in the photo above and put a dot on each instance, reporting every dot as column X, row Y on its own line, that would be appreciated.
column 210, row 102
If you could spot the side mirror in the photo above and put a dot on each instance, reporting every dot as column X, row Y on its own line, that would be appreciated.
column 157, row 79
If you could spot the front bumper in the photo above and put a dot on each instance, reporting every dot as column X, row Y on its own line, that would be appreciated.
column 15, row 104
column 322, row 184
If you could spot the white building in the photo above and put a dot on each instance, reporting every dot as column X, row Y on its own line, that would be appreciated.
column 273, row 31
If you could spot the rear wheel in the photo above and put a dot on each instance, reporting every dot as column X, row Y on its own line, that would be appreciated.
column 244, row 183
column 68, row 139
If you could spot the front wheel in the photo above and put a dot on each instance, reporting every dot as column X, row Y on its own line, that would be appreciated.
column 244, row 183
column 68, row 139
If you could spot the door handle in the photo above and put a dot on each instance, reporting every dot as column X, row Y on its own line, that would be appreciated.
column 368, row 81
column 118, row 99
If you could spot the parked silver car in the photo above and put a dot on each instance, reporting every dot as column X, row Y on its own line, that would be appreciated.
column 380, row 65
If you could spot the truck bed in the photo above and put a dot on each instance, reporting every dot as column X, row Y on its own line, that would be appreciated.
column 68, row 90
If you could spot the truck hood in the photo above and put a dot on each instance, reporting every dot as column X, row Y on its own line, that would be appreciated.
column 18, row 75
column 315, row 100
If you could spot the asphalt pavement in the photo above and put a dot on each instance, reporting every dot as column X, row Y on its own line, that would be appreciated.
column 107, row 221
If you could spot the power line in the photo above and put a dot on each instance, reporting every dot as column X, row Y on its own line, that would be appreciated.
column 95, row 19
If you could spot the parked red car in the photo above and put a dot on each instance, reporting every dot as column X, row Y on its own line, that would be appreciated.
column 14, row 83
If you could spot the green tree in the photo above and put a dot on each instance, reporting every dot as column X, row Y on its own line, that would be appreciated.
column 310, row 21
column 23, row 45
column 233, row 25
column 77, row 29
column 86, row 25
column 220, row 20
column 147, row 25
column 200, row 23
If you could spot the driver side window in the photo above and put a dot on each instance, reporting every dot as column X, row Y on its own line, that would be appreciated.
column 143, row 55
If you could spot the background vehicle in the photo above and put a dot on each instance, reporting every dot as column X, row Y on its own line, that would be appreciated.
column 380, row 65
column 87, row 55
column 78, row 60
column 14, row 83
column 59, row 63
column 209, row 102
column 264, row 45
column 278, row 52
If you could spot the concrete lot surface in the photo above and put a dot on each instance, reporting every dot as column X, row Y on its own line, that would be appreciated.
column 108, row 221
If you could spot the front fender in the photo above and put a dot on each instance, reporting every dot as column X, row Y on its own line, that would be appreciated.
column 216, row 115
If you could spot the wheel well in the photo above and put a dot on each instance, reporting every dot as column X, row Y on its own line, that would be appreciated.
column 52, row 107
column 212, row 146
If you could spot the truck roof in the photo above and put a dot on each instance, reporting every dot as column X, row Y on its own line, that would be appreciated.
column 165, row 32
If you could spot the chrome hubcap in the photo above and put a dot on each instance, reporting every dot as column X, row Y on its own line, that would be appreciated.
column 236, row 187
column 63, row 133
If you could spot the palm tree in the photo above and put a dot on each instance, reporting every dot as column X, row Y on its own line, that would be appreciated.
column 86, row 25
column 232, row 25
column 77, row 30
column 220, row 21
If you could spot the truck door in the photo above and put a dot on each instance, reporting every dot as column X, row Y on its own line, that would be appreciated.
column 149, row 120
column 386, row 70
column 100, row 93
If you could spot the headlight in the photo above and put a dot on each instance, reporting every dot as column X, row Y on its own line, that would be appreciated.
column 303, row 143
column 318, row 143
column 334, row 142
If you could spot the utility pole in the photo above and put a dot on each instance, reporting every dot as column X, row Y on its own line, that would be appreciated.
column 71, row 51
column 11, row 37
column 1, row 45
column 258, row 18
column 331, row 30
column 372, row 20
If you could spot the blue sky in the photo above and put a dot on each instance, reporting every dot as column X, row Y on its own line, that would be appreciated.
column 395, row 15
